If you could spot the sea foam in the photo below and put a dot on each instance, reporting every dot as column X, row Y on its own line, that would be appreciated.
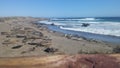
column 97, row 25
column 105, row 28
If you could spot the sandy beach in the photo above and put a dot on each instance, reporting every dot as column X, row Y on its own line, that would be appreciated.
column 23, row 37
column 60, row 34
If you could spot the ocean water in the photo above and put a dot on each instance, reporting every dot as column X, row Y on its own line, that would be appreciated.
column 98, row 26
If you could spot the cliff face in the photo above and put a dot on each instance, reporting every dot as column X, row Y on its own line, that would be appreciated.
column 63, row 61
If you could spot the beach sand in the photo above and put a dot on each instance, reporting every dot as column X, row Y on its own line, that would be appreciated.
column 22, row 37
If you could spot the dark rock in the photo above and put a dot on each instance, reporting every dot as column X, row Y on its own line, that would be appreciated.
column 52, row 24
column 85, row 24
column 50, row 50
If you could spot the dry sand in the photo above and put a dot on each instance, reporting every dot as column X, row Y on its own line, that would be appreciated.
column 63, row 61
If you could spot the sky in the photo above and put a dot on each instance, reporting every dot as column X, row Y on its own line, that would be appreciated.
column 60, row 8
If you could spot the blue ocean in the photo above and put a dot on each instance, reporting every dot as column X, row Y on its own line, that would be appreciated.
column 98, row 28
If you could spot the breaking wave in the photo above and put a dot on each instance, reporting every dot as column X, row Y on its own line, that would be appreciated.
column 73, row 19
column 105, row 26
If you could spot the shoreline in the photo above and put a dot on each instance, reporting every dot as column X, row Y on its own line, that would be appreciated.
column 88, row 36
column 30, row 39
column 75, row 37
column 101, row 38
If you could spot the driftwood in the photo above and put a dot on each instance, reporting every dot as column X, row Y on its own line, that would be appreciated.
column 16, row 47
column 20, row 36
column 41, row 44
column 33, row 43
